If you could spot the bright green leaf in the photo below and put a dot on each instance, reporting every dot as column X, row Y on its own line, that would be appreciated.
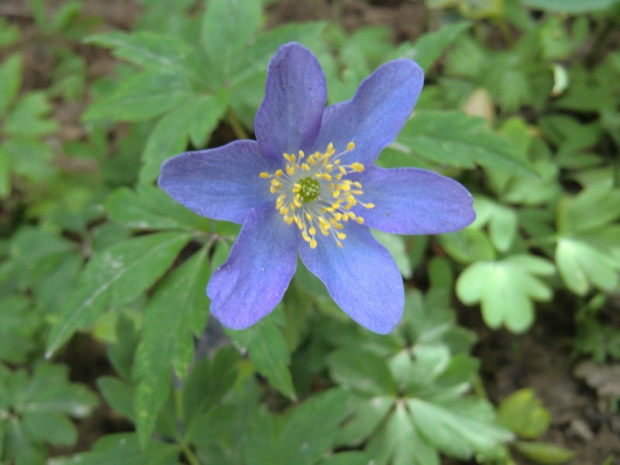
column 506, row 289
column 582, row 265
column 524, row 414
column 28, row 117
column 429, row 47
column 544, row 453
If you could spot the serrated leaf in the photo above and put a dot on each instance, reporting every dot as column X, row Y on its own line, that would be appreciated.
column 506, row 289
column 124, row 449
column 27, row 118
column 171, row 133
column 428, row 48
column 121, row 273
column 363, row 371
column 311, row 428
column 147, row 49
column 151, row 208
column 255, row 59
column 227, row 27
column 177, row 310
column 142, row 97
column 455, row 139
column 268, row 352
column 10, row 81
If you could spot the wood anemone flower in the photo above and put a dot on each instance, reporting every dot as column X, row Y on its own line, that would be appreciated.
column 308, row 186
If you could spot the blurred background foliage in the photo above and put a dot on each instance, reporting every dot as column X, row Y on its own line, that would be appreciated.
column 521, row 104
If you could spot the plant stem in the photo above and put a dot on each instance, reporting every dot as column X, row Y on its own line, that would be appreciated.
column 185, row 447
column 236, row 125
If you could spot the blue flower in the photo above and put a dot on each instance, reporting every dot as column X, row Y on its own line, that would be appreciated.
column 308, row 186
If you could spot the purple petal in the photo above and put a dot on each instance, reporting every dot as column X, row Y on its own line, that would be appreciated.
column 261, row 264
column 377, row 113
column 414, row 201
column 221, row 183
column 361, row 277
column 289, row 118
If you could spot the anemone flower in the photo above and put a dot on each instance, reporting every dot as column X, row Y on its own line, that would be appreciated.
column 308, row 185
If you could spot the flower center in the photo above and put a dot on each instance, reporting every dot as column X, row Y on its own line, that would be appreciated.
column 310, row 189
column 314, row 193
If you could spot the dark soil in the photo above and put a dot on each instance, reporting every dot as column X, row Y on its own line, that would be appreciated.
column 540, row 359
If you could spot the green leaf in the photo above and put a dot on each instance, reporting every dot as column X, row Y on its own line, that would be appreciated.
column 268, row 352
column 118, row 394
column 506, row 289
column 208, row 427
column 311, row 428
column 171, row 133
column 544, row 453
column 502, row 222
column 569, row 6
column 362, row 371
column 428, row 48
column 124, row 449
column 9, row 34
column 38, row 406
column 142, row 97
column 151, row 208
column 455, row 139
column 524, row 414
column 458, row 427
column 582, row 265
column 27, row 117
column 51, row 427
column 10, row 81
column 177, row 311
column 5, row 173
column 347, row 458
column 399, row 442
column 209, row 382
column 119, row 274
column 146, row 49
column 593, row 208
column 227, row 27
column 369, row 413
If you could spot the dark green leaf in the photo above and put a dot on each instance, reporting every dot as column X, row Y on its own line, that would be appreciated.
column 363, row 371
column 120, row 273
column 177, row 310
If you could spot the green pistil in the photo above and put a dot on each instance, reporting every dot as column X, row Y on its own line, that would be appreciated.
column 310, row 189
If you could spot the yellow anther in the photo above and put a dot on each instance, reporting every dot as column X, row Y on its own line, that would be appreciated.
column 315, row 194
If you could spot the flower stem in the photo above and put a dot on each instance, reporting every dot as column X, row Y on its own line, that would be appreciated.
column 236, row 125
column 185, row 447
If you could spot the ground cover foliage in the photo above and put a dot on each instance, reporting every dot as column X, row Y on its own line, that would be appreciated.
column 520, row 105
